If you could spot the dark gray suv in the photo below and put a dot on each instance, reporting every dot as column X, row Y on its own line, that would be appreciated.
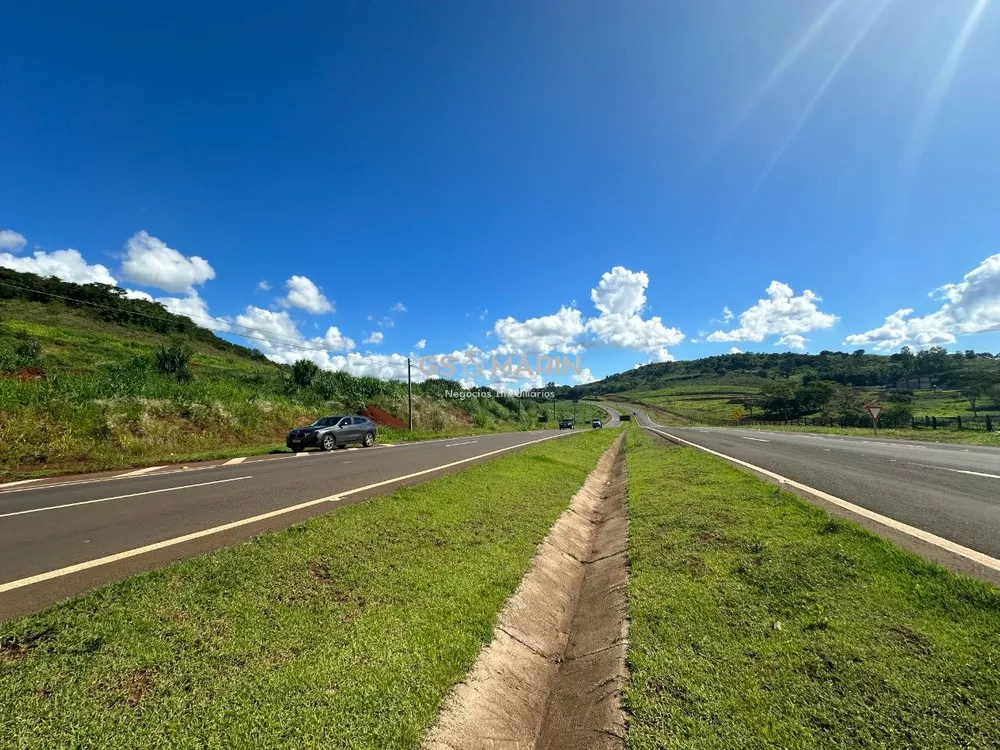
column 328, row 433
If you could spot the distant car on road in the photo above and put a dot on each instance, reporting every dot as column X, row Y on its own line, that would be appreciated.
column 597, row 423
column 566, row 424
column 328, row 433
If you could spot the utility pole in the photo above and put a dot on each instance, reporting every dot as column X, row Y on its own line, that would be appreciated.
column 409, row 395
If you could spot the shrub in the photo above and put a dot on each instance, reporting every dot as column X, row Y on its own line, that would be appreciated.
column 27, row 350
column 173, row 359
column 303, row 372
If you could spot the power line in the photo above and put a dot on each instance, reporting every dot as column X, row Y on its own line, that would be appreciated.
column 169, row 320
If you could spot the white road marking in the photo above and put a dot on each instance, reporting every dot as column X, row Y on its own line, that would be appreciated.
column 97, row 562
column 467, row 442
column 150, row 547
column 232, row 461
column 759, row 440
column 926, row 536
column 959, row 471
column 393, row 445
column 303, row 453
column 118, row 497
column 19, row 482
column 144, row 470
column 103, row 479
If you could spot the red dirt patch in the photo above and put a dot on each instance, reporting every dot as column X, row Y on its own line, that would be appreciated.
column 381, row 416
column 26, row 373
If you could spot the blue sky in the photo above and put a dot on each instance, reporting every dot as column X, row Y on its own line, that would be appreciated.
column 496, row 167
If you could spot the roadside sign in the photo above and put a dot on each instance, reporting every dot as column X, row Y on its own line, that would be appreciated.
column 874, row 410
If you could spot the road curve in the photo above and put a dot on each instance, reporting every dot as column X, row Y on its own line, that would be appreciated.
column 101, row 529
column 951, row 491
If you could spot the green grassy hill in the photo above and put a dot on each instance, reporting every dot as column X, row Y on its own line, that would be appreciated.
column 84, row 387
column 830, row 386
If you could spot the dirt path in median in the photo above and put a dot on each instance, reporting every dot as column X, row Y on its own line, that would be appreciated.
column 554, row 673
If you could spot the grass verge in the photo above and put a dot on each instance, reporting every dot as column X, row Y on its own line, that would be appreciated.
column 344, row 631
column 758, row 620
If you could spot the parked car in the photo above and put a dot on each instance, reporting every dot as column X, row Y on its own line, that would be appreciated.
column 566, row 424
column 597, row 423
column 328, row 433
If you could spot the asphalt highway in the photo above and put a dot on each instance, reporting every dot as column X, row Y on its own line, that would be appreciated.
column 62, row 537
column 949, row 490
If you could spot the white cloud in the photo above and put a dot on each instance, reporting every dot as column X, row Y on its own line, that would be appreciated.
column 632, row 332
column 792, row 341
column 542, row 335
column 781, row 314
column 727, row 314
column 335, row 340
column 148, row 261
column 734, row 350
column 263, row 286
column 899, row 329
column 398, row 307
column 375, row 337
column 194, row 307
column 278, row 325
column 420, row 344
column 620, row 297
column 67, row 265
column 287, row 345
column 620, row 291
column 971, row 306
column 11, row 240
column 304, row 294
column 583, row 377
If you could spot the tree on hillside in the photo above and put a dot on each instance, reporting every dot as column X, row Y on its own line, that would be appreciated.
column 303, row 372
column 778, row 397
column 977, row 382
column 816, row 395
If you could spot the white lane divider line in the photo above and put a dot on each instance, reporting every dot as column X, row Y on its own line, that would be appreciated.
column 467, row 442
column 19, row 482
column 232, row 461
column 118, row 497
column 144, row 470
column 756, row 440
column 959, row 471
column 60, row 572
column 892, row 523
column 149, row 548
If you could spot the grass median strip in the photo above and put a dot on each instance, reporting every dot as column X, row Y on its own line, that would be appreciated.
column 345, row 631
column 758, row 620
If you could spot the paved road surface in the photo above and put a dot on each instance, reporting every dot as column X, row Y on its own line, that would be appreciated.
column 952, row 491
column 47, row 527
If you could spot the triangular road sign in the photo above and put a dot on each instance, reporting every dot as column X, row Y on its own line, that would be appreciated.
column 874, row 410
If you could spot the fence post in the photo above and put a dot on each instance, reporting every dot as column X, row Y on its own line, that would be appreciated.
column 960, row 421
column 913, row 423
column 933, row 423
column 989, row 424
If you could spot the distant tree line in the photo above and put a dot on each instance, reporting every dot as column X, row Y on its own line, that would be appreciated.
column 857, row 369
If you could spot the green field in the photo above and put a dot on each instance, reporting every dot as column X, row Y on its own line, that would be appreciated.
column 345, row 631
column 758, row 620
column 91, row 397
